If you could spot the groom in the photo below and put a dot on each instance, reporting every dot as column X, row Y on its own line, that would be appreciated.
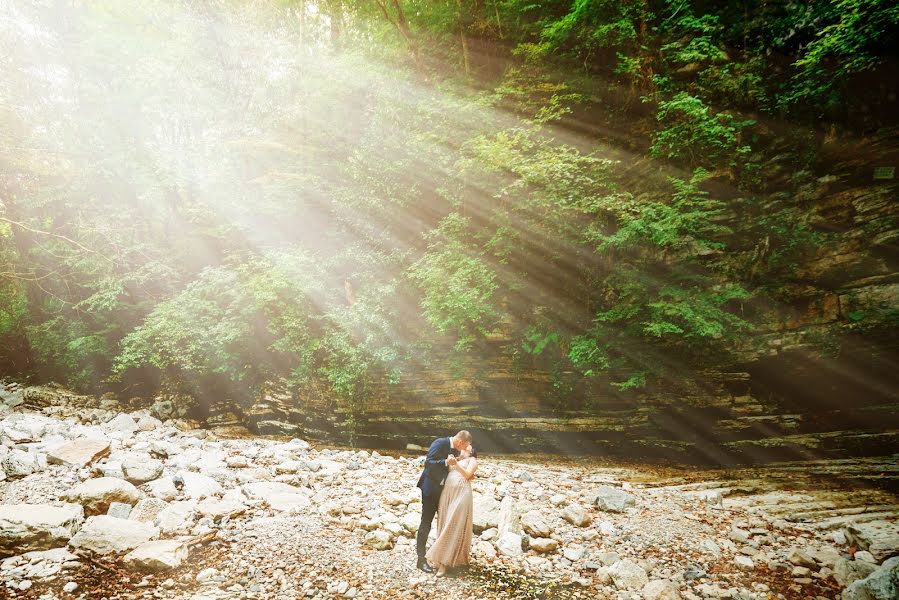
column 441, row 455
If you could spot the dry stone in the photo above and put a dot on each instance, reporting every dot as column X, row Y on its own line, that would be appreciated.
column 104, row 534
column 95, row 495
column 661, row 589
column 628, row 575
column 576, row 515
column 158, row 555
column 26, row 527
column 79, row 453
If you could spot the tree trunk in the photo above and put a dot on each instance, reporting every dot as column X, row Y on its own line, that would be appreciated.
column 336, row 23
column 465, row 61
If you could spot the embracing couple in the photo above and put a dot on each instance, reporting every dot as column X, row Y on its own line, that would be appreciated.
column 446, row 490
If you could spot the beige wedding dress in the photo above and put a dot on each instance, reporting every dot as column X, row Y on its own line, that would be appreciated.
column 454, row 515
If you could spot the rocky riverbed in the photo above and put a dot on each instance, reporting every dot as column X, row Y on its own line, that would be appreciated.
column 97, row 502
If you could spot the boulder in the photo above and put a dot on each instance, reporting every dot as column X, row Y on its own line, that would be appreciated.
column 289, row 503
column 78, row 453
column 880, row 538
column 533, row 523
column 18, row 464
column 509, row 543
column 121, row 423
column 847, row 571
column 486, row 512
column 509, row 516
column 26, row 527
column 801, row 558
column 147, row 510
column 574, row 552
column 141, row 470
column 216, row 509
column 661, row 589
column 612, row 499
column 119, row 509
column 882, row 584
column 576, row 515
column 543, row 544
column 162, row 489
column 198, row 486
column 262, row 490
column 485, row 549
column 103, row 534
column 95, row 495
column 158, row 555
column 177, row 516
column 628, row 575
column 379, row 540
column 148, row 423
column 163, row 409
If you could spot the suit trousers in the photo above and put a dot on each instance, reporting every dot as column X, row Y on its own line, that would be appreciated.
column 428, row 510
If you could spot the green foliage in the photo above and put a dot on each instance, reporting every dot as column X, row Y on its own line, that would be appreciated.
column 693, row 133
column 696, row 42
column 684, row 224
column 206, row 329
column 457, row 285
column 321, row 200
column 591, row 25
column 74, row 348
column 852, row 44
column 791, row 240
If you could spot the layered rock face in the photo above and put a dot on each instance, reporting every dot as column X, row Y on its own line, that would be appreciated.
column 816, row 380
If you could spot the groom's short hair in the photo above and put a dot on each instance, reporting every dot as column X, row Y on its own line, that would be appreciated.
column 464, row 436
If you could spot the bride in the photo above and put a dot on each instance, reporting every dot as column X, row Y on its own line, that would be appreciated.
column 454, row 516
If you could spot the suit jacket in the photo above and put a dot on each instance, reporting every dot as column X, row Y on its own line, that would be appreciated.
column 434, row 475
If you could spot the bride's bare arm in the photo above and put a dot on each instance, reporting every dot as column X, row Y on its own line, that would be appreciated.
column 472, row 467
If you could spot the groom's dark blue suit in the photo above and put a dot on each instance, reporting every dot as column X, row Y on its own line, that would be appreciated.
column 431, row 483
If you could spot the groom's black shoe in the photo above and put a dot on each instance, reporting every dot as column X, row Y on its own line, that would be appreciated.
column 424, row 566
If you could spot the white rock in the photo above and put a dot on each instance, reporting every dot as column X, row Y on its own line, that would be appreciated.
column 121, row 423
column 141, row 470
column 379, row 540
column 104, row 534
column 574, row 552
column 198, row 486
column 486, row 512
column 177, row 516
column 576, row 515
column 148, row 423
column 78, row 453
column 607, row 528
column 207, row 574
column 147, row 510
column 661, row 589
column 485, row 549
column 159, row 555
column 26, row 527
column 19, row 463
column 612, row 499
column 543, row 544
column 628, row 575
column 95, row 495
column 509, row 544
column 216, row 509
column 533, row 523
